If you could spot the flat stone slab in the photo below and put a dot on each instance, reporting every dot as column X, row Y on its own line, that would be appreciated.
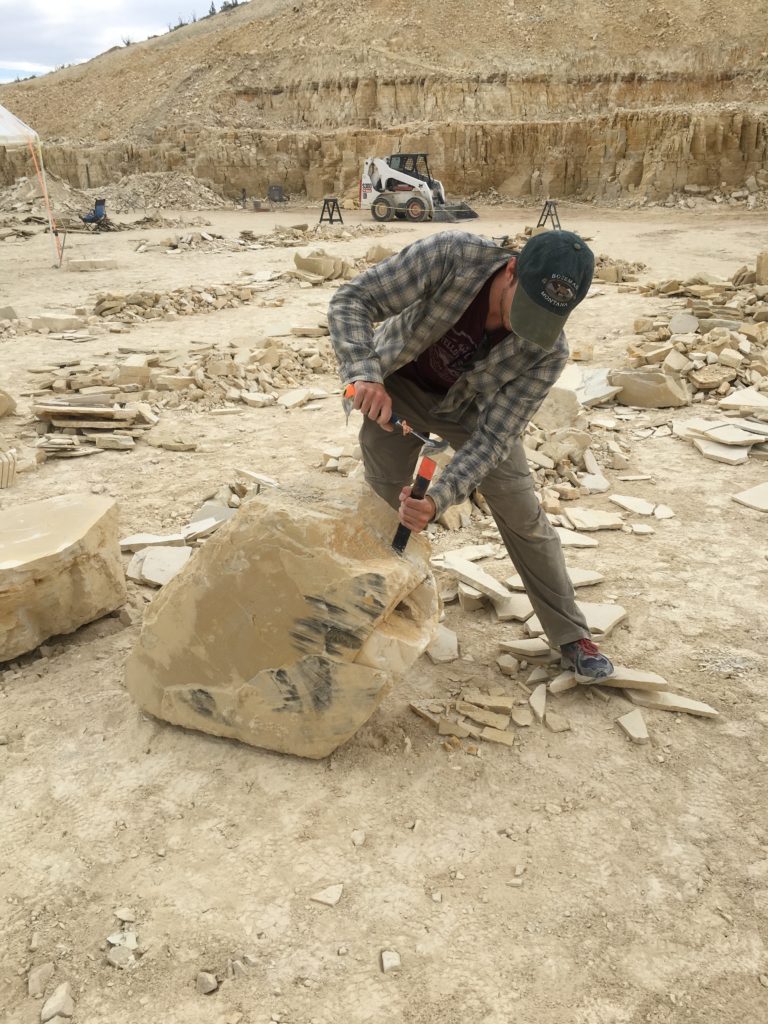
column 589, row 519
column 728, row 433
column 530, row 649
column 602, row 619
column 444, row 647
column 748, row 399
column 633, row 725
column 578, row 577
column 755, row 497
column 138, row 541
column 572, row 539
column 664, row 700
column 288, row 626
column 731, row 455
column 60, row 567
column 636, row 678
column 160, row 564
column 639, row 506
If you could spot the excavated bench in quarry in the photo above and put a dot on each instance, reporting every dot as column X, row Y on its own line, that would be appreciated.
column 287, row 628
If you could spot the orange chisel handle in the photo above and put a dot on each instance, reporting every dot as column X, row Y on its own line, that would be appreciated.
column 420, row 486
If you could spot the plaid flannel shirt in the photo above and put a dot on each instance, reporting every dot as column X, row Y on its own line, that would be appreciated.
column 415, row 296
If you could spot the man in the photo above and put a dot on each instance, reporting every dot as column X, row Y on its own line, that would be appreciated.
column 470, row 341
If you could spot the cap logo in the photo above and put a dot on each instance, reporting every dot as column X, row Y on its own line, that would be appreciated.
column 558, row 290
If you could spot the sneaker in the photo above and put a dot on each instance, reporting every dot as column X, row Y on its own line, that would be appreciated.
column 586, row 661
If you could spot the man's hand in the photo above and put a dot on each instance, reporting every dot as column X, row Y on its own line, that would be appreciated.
column 415, row 513
column 373, row 401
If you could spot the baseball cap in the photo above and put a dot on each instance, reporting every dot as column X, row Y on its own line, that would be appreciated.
column 554, row 271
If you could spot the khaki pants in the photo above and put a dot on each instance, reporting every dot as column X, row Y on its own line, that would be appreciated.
column 390, row 460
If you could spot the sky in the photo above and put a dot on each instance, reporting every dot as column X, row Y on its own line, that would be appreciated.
column 37, row 36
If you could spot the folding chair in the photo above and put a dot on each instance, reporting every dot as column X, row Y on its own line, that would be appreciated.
column 97, row 215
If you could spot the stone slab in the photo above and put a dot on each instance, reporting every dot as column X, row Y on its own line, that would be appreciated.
column 601, row 618
column 636, row 678
column 590, row 519
column 578, row 577
column 633, row 725
column 139, row 541
column 730, row 455
column 507, row 739
column 482, row 716
column 572, row 539
column 747, row 399
column 629, row 503
column 288, row 627
column 160, row 564
column 531, row 649
column 60, row 567
column 538, row 702
column 664, row 700
column 444, row 646
column 755, row 497
column 649, row 389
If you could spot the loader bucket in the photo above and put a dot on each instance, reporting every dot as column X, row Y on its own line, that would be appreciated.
column 452, row 212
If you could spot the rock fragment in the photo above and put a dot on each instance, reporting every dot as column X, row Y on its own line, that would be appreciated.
column 330, row 896
column 38, row 979
column 206, row 983
column 60, row 567
column 633, row 724
column 60, row 1004
column 390, row 961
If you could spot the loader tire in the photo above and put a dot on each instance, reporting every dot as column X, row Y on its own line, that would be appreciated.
column 382, row 208
column 416, row 209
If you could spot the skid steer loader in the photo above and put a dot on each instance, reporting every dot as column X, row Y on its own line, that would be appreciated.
column 402, row 186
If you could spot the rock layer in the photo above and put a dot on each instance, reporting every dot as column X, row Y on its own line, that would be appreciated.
column 287, row 628
column 628, row 152
column 60, row 567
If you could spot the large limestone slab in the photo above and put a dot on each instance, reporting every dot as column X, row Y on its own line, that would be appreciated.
column 60, row 567
column 650, row 389
column 288, row 626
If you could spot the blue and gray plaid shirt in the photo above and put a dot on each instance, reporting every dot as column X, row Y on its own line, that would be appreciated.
column 416, row 296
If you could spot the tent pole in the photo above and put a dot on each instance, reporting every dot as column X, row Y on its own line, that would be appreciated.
column 40, row 170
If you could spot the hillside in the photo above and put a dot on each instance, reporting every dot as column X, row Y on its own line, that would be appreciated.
column 242, row 78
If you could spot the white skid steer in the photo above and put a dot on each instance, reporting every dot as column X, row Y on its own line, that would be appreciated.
column 401, row 186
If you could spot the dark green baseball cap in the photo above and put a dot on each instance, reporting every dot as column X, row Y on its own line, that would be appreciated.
column 554, row 272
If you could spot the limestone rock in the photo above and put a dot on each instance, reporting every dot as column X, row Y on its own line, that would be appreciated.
column 755, row 497
column 649, row 389
column 561, row 408
column 38, row 979
column 633, row 724
column 60, row 567
column 60, row 1004
column 288, row 627
column 7, row 403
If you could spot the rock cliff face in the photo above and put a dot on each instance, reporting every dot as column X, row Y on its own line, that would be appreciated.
column 629, row 152
column 519, row 97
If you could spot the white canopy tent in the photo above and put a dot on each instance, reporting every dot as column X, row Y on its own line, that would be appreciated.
column 14, row 132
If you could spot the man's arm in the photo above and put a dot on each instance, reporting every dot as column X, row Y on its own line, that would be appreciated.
column 502, row 421
column 383, row 291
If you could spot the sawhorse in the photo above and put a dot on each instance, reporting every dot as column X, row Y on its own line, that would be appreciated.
column 332, row 209
column 549, row 212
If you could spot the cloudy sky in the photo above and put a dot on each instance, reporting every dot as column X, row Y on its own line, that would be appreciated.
column 38, row 35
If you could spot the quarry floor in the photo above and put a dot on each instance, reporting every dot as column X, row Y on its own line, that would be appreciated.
column 644, row 894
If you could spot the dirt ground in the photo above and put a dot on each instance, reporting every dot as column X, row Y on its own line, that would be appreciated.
column 644, row 893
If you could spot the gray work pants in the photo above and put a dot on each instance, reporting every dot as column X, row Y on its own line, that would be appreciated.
column 390, row 460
